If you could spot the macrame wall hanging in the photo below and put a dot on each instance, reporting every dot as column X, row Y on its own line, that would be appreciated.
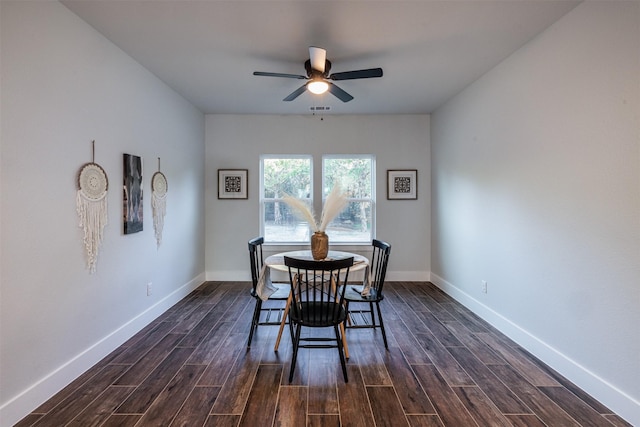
column 91, row 205
column 159, row 189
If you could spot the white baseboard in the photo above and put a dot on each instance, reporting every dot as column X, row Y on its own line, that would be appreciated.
column 24, row 403
column 606, row 393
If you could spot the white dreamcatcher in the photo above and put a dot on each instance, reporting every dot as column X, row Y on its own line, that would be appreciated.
column 159, row 188
column 91, row 205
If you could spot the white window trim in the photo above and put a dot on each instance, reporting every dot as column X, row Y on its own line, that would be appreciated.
column 373, row 193
column 263, row 199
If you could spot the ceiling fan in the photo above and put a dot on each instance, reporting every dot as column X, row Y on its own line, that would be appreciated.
column 318, row 76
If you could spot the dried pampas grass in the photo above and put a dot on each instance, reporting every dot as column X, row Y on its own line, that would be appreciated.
column 302, row 209
column 335, row 202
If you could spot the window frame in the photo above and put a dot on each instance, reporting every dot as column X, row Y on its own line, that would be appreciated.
column 371, row 199
column 264, row 200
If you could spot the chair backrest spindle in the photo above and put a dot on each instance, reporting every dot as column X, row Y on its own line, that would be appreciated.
column 317, row 287
column 379, row 261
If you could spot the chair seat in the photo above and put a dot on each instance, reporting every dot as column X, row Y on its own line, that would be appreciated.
column 352, row 294
column 284, row 289
column 316, row 316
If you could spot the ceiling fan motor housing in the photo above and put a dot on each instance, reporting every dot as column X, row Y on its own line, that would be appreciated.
column 313, row 73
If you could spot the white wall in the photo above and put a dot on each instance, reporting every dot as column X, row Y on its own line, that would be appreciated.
column 236, row 142
column 64, row 85
column 536, row 189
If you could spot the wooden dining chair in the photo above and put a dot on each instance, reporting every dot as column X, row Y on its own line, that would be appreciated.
column 317, row 289
column 267, row 314
column 360, row 308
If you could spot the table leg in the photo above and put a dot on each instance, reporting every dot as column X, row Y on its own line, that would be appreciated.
column 283, row 322
column 344, row 341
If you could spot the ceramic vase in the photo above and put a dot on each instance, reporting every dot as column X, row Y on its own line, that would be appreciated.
column 319, row 245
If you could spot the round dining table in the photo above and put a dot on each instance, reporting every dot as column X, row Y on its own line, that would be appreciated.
column 276, row 261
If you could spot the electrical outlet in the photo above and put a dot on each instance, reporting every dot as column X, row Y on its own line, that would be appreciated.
column 484, row 286
column 149, row 289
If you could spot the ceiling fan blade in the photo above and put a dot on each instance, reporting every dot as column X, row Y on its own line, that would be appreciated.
column 290, row 76
column 339, row 93
column 358, row 74
column 296, row 93
column 318, row 57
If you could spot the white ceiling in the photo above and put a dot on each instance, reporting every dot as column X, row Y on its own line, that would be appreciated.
column 429, row 50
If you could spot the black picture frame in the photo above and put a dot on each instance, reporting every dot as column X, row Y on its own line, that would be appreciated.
column 232, row 184
column 402, row 184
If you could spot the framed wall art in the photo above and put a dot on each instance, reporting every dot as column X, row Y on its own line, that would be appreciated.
column 402, row 184
column 132, row 197
column 232, row 183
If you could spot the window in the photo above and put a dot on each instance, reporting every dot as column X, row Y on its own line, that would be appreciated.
column 281, row 175
column 355, row 175
column 293, row 175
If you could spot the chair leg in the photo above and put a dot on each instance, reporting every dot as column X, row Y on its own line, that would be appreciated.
column 373, row 319
column 296, row 344
column 282, row 323
column 254, row 320
column 384, row 334
column 340, row 351
column 346, row 307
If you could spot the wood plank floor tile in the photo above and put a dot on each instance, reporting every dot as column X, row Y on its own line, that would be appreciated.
column 617, row 421
column 322, row 420
column 410, row 393
column 478, row 347
column 223, row 421
column 597, row 406
column 368, row 356
column 263, row 399
column 144, row 395
column 550, row 413
column 525, row 420
column 170, row 400
column 147, row 363
column 387, row 410
column 196, row 408
column 217, row 372
column 578, row 409
column 82, row 380
column 102, row 407
column 209, row 347
column 424, row 421
column 481, row 407
column 29, row 420
column 204, row 327
column 439, row 331
column 236, row 389
column 398, row 332
column 529, row 370
column 144, row 344
column 82, row 397
column 291, row 410
column 450, row 409
column 186, row 324
column 499, row 393
column 465, row 317
column 120, row 420
column 323, row 380
column 446, row 363
column 355, row 409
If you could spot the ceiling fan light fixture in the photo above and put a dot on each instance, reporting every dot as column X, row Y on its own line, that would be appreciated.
column 318, row 86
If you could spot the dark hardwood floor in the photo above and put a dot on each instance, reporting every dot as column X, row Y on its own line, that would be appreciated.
column 444, row 367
